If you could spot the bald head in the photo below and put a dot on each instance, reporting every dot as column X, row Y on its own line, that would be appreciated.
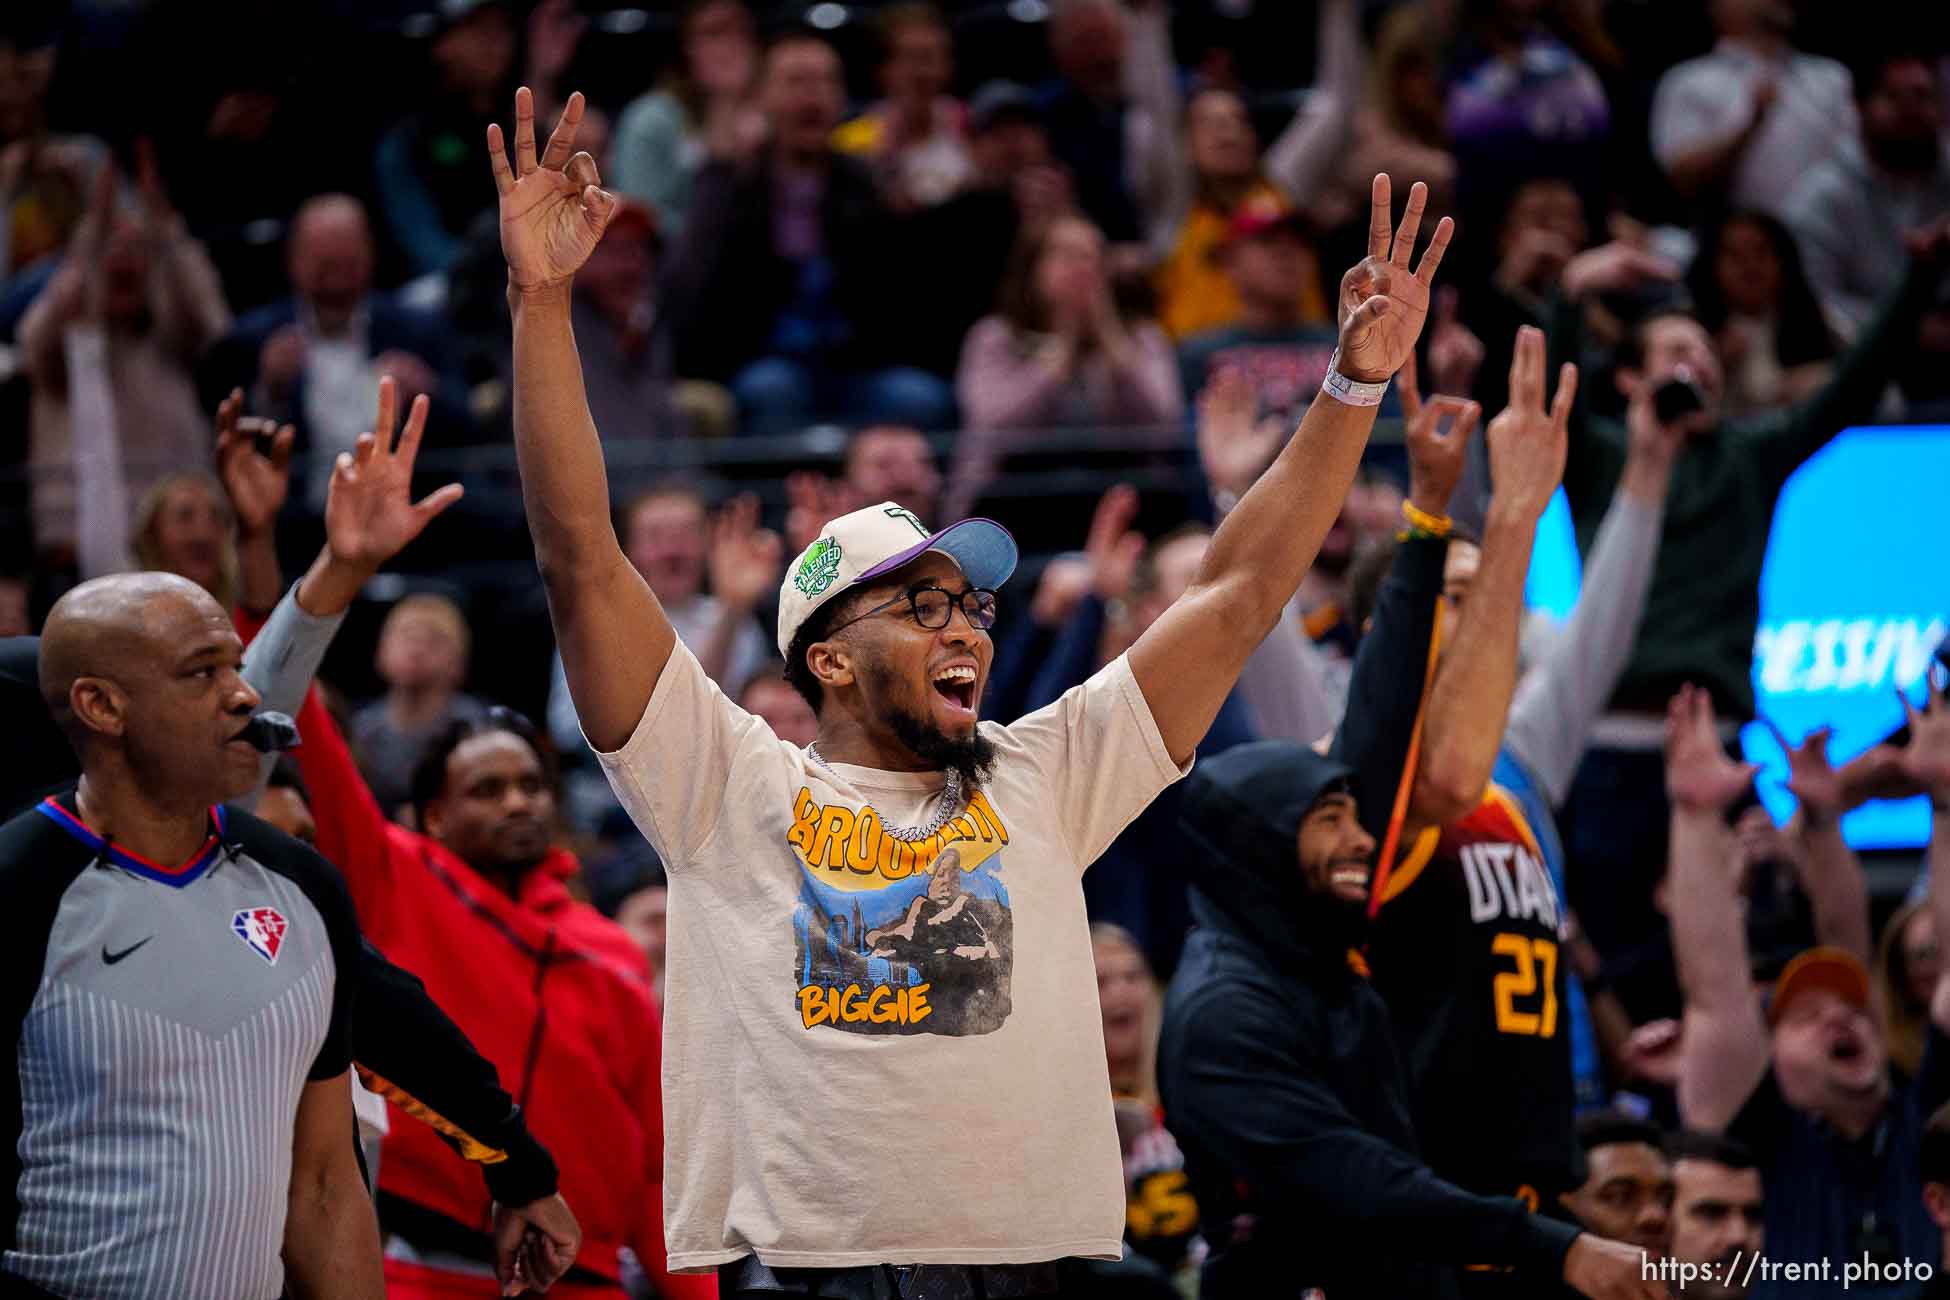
column 143, row 672
column 119, row 628
column 331, row 256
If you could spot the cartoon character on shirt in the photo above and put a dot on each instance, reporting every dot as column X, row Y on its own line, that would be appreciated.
column 899, row 937
column 939, row 924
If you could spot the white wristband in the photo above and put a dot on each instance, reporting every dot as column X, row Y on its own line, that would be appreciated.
column 1352, row 391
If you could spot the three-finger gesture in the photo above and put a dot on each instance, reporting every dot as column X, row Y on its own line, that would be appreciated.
column 1699, row 775
column 553, row 211
column 1383, row 303
column 1812, row 779
column 1435, row 457
column 1527, row 442
column 254, row 462
column 1926, row 759
column 370, row 515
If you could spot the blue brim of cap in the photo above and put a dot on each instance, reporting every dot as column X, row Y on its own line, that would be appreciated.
column 983, row 548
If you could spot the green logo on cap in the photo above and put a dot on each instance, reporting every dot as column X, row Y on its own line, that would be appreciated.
column 819, row 568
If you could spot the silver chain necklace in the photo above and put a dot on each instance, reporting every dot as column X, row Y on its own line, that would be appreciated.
column 950, row 805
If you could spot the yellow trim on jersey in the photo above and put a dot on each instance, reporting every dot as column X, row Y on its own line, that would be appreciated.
column 1419, row 854
column 470, row 1148
column 1497, row 795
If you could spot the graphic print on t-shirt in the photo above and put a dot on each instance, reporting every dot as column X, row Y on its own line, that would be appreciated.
column 899, row 938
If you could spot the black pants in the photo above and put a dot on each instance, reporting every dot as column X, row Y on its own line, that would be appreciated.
column 748, row 1279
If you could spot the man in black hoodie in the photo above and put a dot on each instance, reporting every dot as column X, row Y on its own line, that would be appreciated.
column 1277, row 1064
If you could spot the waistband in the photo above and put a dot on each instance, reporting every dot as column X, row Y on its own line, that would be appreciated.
column 890, row 1281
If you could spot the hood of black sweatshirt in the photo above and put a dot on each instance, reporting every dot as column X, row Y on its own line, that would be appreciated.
column 1241, row 811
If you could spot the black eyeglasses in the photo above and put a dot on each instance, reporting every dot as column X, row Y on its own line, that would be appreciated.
column 932, row 607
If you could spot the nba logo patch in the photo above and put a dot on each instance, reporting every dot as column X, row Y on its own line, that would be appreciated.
column 262, row 931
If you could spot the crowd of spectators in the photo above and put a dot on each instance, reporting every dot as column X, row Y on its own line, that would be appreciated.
column 1098, row 241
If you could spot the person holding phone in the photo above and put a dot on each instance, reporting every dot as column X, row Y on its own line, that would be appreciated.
column 1701, row 614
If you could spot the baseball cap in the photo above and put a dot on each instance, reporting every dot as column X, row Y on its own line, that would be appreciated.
column 872, row 542
column 1262, row 214
column 633, row 218
column 1836, row 970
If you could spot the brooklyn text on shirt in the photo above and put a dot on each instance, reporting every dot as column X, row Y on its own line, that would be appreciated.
column 838, row 840
column 899, row 937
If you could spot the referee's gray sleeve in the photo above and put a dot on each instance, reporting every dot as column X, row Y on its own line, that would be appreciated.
column 280, row 664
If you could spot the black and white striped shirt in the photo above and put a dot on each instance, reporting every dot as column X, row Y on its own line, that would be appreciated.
column 166, row 1021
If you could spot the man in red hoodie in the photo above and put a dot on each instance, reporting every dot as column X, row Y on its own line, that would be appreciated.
column 556, row 996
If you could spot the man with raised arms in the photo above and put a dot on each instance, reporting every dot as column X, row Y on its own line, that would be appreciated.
column 783, row 862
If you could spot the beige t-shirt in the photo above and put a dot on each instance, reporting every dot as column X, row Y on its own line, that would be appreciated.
column 877, row 1053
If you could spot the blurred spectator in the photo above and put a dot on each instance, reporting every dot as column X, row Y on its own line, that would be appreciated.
column 551, row 992
column 965, row 242
column 1766, row 866
column 1331, row 609
column 1737, row 128
column 183, row 526
column 1139, row 881
column 626, row 366
column 1093, row 128
column 662, row 136
column 1718, row 1213
column 1292, row 689
column 1160, row 1218
column 45, row 177
column 1628, row 1187
column 796, row 235
column 1750, row 292
column 422, row 658
column 1853, row 213
column 1807, row 1086
column 668, row 535
column 886, row 462
column 1522, row 103
column 769, row 696
column 1401, row 129
column 15, row 605
column 1541, row 227
column 315, row 358
column 428, row 168
column 1059, row 352
column 915, row 139
column 632, row 890
column 1131, row 1002
column 1203, row 175
column 671, row 538
column 109, row 346
column 1271, row 341
column 1933, row 1160
column 260, row 128
column 1700, row 619
column 1908, row 962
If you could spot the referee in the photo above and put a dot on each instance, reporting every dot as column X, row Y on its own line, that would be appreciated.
column 177, row 1124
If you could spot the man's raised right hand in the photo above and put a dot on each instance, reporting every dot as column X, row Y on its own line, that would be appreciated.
column 553, row 212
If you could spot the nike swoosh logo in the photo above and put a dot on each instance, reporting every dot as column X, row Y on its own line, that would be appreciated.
column 110, row 958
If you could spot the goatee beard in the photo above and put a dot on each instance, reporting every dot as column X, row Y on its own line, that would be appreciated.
column 971, row 756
